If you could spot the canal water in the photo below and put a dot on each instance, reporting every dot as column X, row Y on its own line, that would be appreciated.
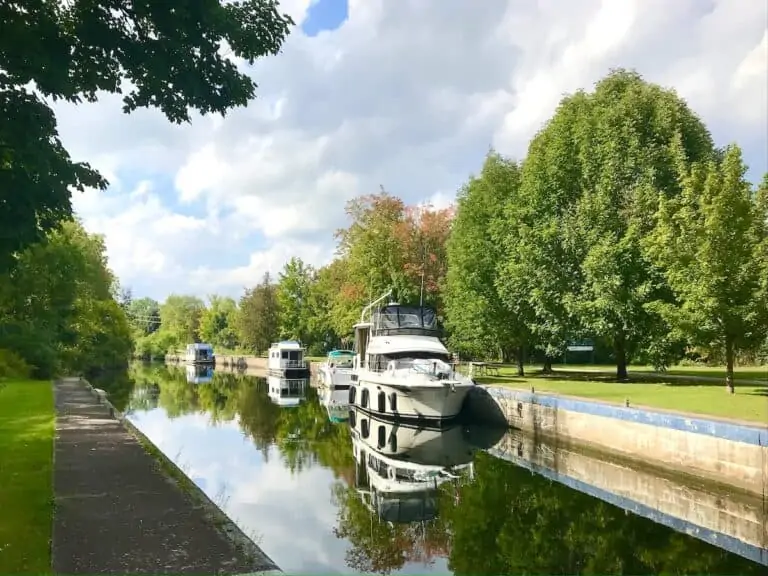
column 321, row 492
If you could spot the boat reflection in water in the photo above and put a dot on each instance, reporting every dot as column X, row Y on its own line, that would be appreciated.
column 287, row 392
column 335, row 402
column 199, row 373
column 399, row 468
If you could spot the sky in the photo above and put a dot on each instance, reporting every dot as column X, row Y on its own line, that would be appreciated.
column 405, row 94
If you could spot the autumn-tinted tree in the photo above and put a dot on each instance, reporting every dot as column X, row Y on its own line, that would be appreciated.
column 710, row 241
column 171, row 56
column 259, row 319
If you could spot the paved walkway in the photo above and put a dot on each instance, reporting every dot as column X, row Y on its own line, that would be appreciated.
column 116, row 512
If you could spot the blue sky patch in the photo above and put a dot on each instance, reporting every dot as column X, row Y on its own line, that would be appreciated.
column 325, row 15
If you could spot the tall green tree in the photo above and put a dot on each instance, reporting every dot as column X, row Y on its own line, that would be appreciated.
column 180, row 317
column 167, row 55
column 293, row 288
column 478, row 319
column 259, row 319
column 218, row 322
column 57, row 309
column 588, row 195
column 710, row 242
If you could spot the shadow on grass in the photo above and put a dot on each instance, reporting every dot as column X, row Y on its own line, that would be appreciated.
column 761, row 391
column 642, row 378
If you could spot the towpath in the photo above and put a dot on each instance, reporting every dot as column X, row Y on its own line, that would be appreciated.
column 118, row 512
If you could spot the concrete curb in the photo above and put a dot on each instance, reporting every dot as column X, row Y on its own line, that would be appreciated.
column 222, row 522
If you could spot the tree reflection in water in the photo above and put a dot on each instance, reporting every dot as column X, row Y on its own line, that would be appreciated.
column 504, row 520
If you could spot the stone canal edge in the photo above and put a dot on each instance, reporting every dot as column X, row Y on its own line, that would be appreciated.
column 121, row 506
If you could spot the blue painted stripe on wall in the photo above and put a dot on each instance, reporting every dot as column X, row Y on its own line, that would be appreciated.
column 724, row 541
column 735, row 432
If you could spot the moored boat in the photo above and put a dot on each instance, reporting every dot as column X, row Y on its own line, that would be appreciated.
column 286, row 359
column 402, row 370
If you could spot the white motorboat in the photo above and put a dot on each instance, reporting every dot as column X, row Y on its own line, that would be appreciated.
column 336, row 372
column 286, row 359
column 286, row 392
column 402, row 369
column 398, row 478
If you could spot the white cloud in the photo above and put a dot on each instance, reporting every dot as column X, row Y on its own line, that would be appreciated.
column 405, row 94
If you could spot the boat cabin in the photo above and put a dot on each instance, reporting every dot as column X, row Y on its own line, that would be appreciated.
column 286, row 356
column 417, row 337
column 199, row 353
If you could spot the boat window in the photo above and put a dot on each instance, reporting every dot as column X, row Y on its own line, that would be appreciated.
column 382, row 436
column 284, row 354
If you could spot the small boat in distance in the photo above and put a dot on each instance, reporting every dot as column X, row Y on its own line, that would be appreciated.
column 199, row 373
column 199, row 353
column 286, row 359
column 403, row 370
column 336, row 372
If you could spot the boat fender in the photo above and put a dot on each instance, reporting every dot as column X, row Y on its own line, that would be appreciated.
column 391, row 473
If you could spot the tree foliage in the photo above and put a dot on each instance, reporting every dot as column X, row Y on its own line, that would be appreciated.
column 259, row 319
column 170, row 56
column 587, row 197
column 478, row 319
column 57, row 311
column 710, row 241
column 293, row 288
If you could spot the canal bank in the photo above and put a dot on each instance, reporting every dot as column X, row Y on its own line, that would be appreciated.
column 122, row 507
column 732, row 520
column 715, row 450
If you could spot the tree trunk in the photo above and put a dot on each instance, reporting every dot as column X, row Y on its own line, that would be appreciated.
column 547, row 366
column 521, row 361
column 621, row 356
column 729, row 365
column 506, row 355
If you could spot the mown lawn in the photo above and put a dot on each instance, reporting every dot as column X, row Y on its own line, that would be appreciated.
column 749, row 403
column 26, row 491
column 759, row 373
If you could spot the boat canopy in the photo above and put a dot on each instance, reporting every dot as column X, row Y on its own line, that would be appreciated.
column 341, row 353
column 288, row 345
column 399, row 319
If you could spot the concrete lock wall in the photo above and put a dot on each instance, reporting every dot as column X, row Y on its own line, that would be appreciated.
column 737, row 522
column 720, row 451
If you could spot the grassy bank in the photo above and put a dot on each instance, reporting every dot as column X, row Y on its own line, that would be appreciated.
column 759, row 373
column 749, row 403
column 26, row 491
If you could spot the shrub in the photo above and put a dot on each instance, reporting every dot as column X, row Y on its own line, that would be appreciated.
column 13, row 366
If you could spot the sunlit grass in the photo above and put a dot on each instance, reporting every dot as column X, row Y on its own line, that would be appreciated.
column 26, row 491
column 749, row 403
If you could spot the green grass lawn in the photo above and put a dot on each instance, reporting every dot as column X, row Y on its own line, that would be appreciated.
column 759, row 373
column 26, row 491
column 749, row 403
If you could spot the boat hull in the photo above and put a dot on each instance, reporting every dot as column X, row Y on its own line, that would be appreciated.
column 291, row 373
column 437, row 404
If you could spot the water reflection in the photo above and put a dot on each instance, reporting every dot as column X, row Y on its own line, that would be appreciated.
column 336, row 403
column 287, row 392
column 319, row 498
column 199, row 373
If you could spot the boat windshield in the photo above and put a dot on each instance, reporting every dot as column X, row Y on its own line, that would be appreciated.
column 341, row 359
column 396, row 319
